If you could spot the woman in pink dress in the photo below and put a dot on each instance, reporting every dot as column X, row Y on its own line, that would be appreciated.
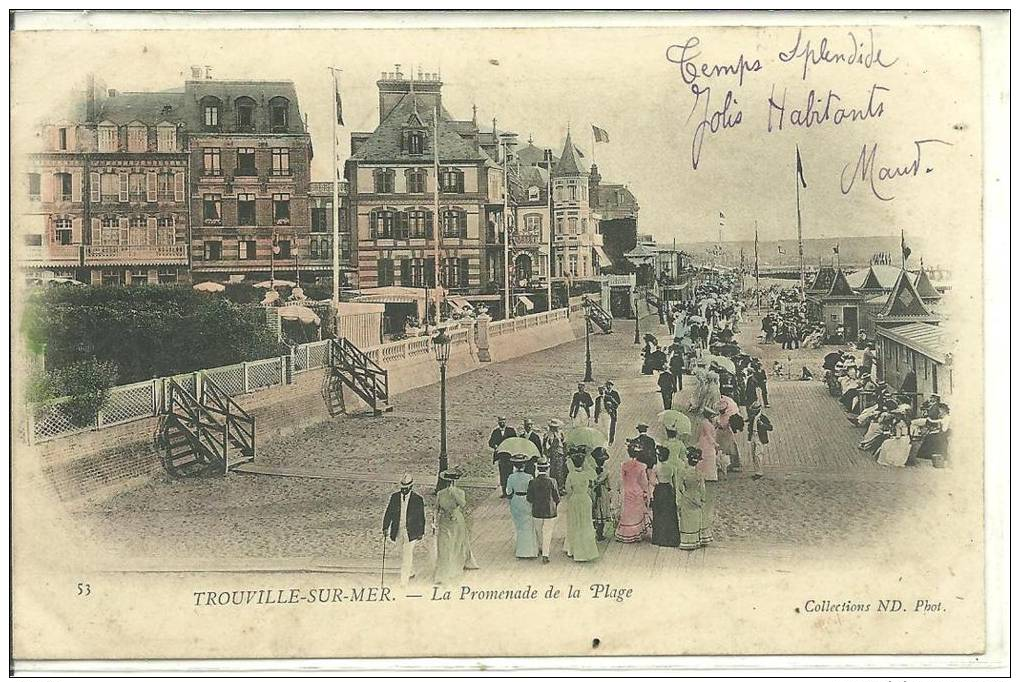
column 636, row 492
column 708, row 468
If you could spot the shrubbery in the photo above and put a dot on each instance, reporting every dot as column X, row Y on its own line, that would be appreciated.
column 137, row 333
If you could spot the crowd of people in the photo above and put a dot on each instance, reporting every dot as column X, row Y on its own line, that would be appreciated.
column 898, row 429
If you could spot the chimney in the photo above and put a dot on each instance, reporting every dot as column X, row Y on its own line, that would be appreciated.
column 393, row 87
column 111, row 93
column 90, row 98
column 208, row 72
column 196, row 73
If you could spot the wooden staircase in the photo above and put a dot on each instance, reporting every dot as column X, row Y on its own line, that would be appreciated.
column 600, row 317
column 349, row 366
column 203, row 437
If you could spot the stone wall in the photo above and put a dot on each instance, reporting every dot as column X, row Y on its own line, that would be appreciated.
column 95, row 465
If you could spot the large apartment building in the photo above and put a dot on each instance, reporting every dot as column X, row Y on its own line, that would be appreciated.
column 392, row 179
column 106, row 198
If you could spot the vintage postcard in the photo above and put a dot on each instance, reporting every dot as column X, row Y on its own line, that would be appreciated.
column 499, row 335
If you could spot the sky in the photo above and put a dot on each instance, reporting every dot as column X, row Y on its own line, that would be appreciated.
column 621, row 80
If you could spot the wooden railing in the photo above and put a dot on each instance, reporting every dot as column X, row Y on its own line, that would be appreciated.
column 237, row 422
column 199, row 421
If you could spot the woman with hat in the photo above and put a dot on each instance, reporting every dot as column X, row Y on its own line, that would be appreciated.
column 580, row 541
column 708, row 467
column 690, row 499
column 520, row 509
column 601, row 505
column 651, row 345
column 555, row 451
column 452, row 548
column 665, row 523
column 635, row 491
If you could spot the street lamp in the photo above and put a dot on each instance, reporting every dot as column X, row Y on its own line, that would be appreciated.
column 441, row 347
column 637, row 316
column 587, row 340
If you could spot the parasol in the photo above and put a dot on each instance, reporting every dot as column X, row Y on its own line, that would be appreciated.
column 727, row 407
column 516, row 445
column 209, row 287
column 273, row 283
column 299, row 313
column 675, row 420
column 722, row 363
column 584, row 437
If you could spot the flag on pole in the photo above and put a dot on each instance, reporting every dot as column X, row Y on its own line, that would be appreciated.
column 904, row 247
column 579, row 152
column 755, row 251
column 494, row 62
column 800, row 170
column 600, row 134
column 339, row 103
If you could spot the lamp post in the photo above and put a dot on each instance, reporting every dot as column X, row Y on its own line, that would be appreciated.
column 637, row 317
column 587, row 340
column 441, row 347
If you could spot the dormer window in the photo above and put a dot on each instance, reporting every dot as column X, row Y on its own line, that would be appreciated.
column 533, row 193
column 166, row 137
column 107, row 137
column 138, row 138
column 211, row 113
column 278, row 107
column 245, row 112
column 416, row 142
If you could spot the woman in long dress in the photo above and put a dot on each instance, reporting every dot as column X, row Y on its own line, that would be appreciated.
column 724, row 434
column 665, row 523
column 708, row 468
column 690, row 500
column 520, row 509
column 601, row 505
column 452, row 548
column 580, row 541
column 635, row 492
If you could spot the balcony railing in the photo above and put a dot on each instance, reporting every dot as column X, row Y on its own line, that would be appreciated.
column 51, row 253
column 168, row 254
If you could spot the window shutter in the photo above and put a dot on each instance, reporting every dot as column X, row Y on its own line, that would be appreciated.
column 179, row 186
column 123, row 187
column 97, row 234
column 76, row 231
column 47, row 180
column 53, row 134
column 95, row 187
column 76, row 184
column 72, row 138
column 123, row 224
column 405, row 272
column 150, row 186
column 151, row 225
column 52, row 230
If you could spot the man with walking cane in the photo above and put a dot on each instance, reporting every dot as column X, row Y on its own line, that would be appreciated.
column 404, row 526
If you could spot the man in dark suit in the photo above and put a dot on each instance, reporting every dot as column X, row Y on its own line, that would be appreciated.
column 501, row 460
column 532, row 435
column 666, row 386
column 581, row 401
column 404, row 525
column 611, row 402
column 646, row 445
column 543, row 497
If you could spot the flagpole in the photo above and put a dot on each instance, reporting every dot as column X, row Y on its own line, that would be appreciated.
column 436, row 226
column 506, row 231
column 800, row 234
column 757, row 283
column 549, row 266
column 903, row 255
column 336, row 206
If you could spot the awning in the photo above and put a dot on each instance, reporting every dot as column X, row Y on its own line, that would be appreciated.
column 299, row 313
column 603, row 256
column 459, row 303
column 528, row 303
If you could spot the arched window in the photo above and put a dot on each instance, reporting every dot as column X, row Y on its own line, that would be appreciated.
column 278, row 114
column 455, row 223
column 415, row 180
column 244, row 112
column 383, row 222
column 211, row 109
column 383, row 180
column 452, row 180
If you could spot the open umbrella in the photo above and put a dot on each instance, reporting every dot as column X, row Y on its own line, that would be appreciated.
column 675, row 420
column 209, row 287
column 586, row 437
column 518, row 446
column 722, row 363
column 273, row 283
column 299, row 313
column 727, row 407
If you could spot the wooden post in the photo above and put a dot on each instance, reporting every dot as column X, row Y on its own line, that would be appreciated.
column 244, row 377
